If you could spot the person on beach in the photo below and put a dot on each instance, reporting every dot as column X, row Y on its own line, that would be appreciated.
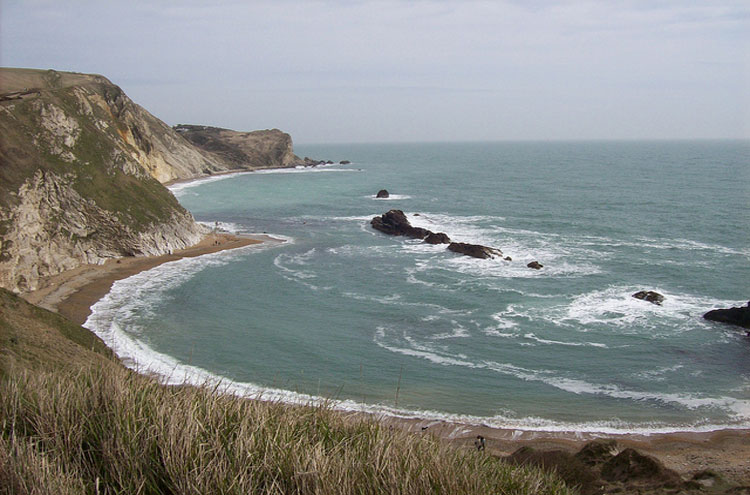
column 479, row 443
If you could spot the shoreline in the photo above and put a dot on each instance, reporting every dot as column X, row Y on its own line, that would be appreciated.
column 73, row 292
column 725, row 451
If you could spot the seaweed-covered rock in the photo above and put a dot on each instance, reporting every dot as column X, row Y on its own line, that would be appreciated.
column 535, row 265
column 650, row 296
column 437, row 238
column 474, row 250
column 733, row 316
column 395, row 223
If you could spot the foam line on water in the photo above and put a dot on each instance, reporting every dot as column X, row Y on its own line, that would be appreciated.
column 737, row 408
column 561, row 256
column 288, row 263
column 391, row 197
column 179, row 188
column 229, row 227
column 533, row 337
column 104, row 321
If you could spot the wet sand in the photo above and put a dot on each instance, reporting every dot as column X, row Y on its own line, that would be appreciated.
column 726, row 452
column 72, row 293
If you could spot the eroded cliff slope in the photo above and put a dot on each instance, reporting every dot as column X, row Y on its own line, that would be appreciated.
column 79, row 163
column 237, row 150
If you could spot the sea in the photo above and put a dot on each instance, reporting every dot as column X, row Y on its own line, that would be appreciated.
column 343, row 314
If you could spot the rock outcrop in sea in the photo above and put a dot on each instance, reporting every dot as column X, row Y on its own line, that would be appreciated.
column 383, row 194
column 733, row 316
column 650, row 296
column 395, row 222
column 475, row 250
column 437, row 238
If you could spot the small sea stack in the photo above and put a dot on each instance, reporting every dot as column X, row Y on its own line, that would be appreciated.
column 382, row 194
column 395, row 223
column 650, row 296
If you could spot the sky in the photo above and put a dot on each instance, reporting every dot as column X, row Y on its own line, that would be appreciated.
column 337, row 71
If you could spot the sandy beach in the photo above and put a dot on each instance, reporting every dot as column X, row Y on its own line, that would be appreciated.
column 72, row 293
column 726, row 452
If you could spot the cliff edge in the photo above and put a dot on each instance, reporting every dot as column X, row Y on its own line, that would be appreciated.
column 237, row 150
column 80, row 172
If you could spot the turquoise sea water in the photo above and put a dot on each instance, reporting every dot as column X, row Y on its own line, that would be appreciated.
column 392, row 325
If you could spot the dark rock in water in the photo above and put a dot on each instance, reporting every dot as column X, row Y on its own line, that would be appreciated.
column 382, row 194
column 597, row 452
column 535, row 265
column 329, row 162
column 733, row 316
column 437, row 238
column 474, row 250
column 508, row 258
column 395, row 223
column 631, row 466
column 650, row 296
column 344, row 162
column 564, row 464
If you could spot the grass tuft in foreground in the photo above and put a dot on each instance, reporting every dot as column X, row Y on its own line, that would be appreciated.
column 103, row 429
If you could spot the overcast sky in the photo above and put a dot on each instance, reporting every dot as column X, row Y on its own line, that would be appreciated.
column 398, row 70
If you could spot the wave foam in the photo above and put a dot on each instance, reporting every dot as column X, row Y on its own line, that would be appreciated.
column 738, row 409
column 391, row 197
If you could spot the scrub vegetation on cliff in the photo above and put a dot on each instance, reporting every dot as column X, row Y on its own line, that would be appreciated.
column 79, row 177
column 73, row 420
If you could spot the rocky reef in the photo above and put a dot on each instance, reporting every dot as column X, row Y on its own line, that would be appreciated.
column 394, row 222
column 733, row 316
column 475, row 250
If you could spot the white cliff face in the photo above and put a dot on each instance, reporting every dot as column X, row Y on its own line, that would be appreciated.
column 55, row 229
column 81, row 171
column 59, row 131
column 160, row 151
column 77, row 180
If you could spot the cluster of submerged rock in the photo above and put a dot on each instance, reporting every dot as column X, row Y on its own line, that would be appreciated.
column 395, row 222
column 310, row 162
column 733, row 316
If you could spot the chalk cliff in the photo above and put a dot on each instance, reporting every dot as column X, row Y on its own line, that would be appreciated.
column 80, row 172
